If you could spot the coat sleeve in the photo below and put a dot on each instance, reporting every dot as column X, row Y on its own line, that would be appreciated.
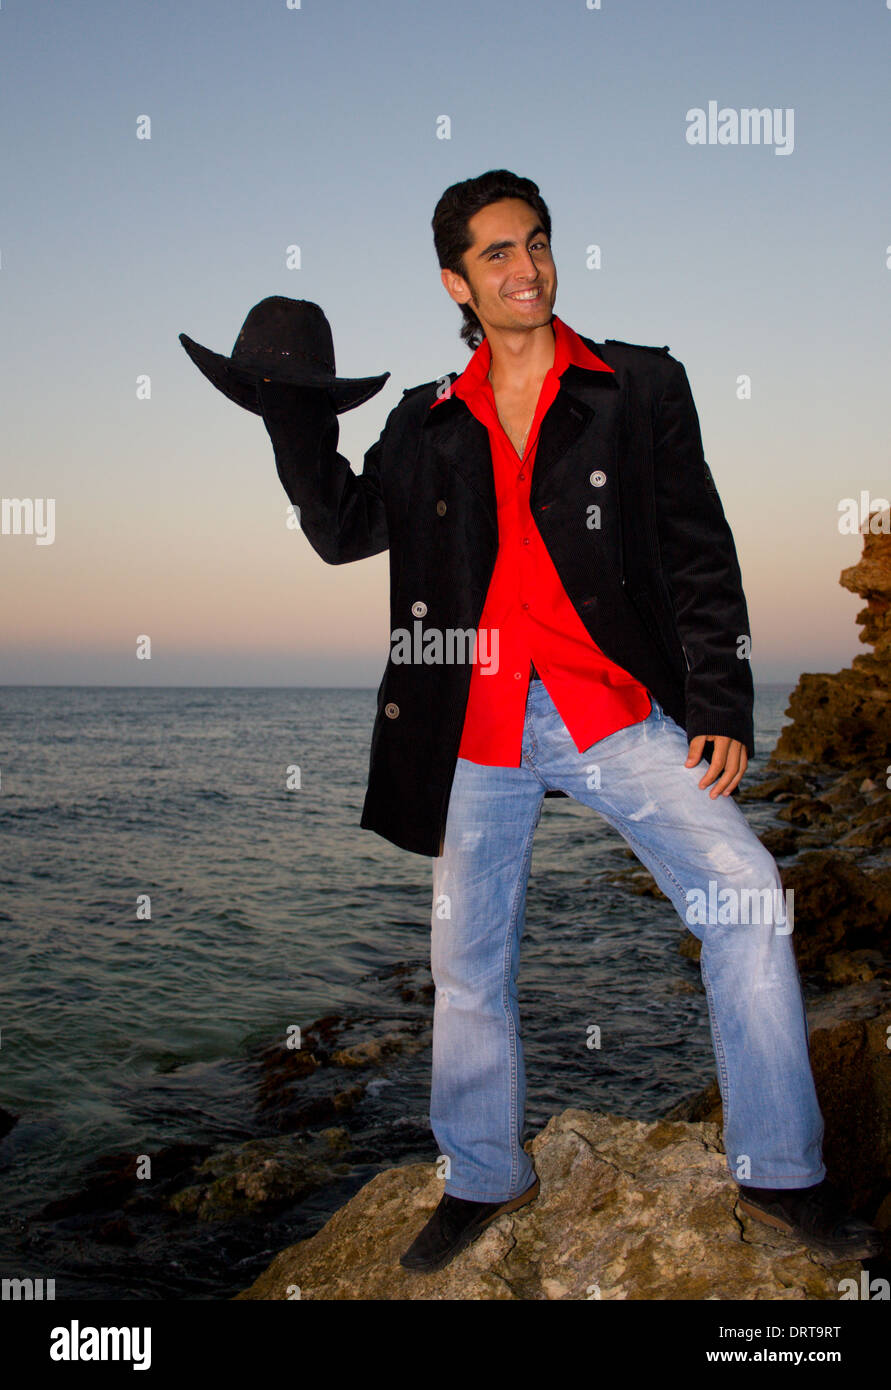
column 341, row 512
column 701, row 569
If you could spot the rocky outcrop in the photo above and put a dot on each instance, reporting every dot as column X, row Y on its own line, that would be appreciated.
column 627, row 1210
column 261, row 1175
column 322, row 1080
column 844, row 719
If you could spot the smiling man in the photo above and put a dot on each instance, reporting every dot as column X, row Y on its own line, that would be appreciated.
column 555, row 492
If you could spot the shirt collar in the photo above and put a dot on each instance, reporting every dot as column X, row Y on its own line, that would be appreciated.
column 568, row 350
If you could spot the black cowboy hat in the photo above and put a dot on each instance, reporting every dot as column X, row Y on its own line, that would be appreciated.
column 286, row 340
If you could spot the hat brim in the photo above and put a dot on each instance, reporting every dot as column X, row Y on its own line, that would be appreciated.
column 240, row 383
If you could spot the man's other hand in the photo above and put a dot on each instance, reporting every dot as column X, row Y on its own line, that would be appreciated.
column 729, row 755
column 273, row 396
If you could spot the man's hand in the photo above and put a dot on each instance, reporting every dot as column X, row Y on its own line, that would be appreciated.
column 729, row 754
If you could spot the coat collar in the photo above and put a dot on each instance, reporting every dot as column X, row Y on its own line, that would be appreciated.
column 463, row 442
column 570, row 351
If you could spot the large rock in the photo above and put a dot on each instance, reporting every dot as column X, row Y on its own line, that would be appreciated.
column 260, row 1175
column 844, row 719
column 627, row 1210
column 838, row 902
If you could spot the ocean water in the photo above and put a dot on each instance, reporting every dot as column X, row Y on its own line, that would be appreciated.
column 269, row 907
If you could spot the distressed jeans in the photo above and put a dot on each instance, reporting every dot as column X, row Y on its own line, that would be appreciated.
column 773, row 1127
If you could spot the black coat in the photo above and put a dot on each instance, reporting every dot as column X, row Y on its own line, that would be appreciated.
column 657, row 585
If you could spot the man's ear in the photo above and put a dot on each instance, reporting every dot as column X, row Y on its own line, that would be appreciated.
column 456, row 286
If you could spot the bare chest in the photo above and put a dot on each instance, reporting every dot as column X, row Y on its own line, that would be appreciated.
column 516, row 411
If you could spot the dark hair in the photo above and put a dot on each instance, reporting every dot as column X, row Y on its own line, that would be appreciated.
column 454, row 210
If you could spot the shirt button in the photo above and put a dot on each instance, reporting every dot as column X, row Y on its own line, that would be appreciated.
column 419, row 608
column 598, row 478
column 522, row 477
column 518, row 675
column 525, row 540
column 391, row 711
column 440, row 508
column 525, row 605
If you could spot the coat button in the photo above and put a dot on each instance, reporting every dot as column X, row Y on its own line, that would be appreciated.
column 598, row 478
column 440, row 509
column 391, row 711
column 419, row 609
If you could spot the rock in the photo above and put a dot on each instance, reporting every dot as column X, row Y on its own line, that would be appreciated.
column 852, row 967
column 635, row 879
column 298, row 1088
column 847, row 790
column 336, row 1138
column 112, row 1181
column 787, row 784
column 701, row 1105
column 874, row 835
column 371, row 1053
column 780, row 841
column 261, row 1174
column 849, row 1032
column 806, row 810
column 837, row 903
column 627, row 1210
column 844, row 719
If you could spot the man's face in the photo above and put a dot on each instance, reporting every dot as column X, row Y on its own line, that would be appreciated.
column 511, row 279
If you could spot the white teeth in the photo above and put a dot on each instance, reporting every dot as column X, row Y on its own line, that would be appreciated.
column 526, row 294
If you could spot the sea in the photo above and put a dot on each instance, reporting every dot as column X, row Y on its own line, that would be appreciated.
column 183, row 879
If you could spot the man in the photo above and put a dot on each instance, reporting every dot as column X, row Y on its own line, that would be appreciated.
column 553, row 502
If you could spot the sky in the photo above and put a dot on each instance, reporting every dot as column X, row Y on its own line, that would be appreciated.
column 319, row 126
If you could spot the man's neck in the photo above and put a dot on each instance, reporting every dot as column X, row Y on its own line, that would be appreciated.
column 521, row 360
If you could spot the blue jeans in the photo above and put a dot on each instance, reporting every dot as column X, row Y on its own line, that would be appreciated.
column 773, row 1128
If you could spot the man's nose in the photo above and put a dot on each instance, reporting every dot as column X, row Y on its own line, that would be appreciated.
column 527, row 270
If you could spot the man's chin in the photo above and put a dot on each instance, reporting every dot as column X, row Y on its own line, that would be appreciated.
column 529, row 318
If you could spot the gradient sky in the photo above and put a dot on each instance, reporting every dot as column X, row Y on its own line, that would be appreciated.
column 318, row 126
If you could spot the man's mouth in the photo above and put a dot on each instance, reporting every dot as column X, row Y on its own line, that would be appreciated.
column 527, row 296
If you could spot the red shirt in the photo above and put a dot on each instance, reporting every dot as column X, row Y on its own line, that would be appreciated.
column 527, row 609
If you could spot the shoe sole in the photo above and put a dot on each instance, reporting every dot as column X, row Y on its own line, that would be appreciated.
column 472, row 1232
column 863, row 1249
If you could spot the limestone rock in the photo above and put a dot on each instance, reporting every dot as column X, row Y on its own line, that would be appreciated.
column 845, row 718
column 627, row 1210
column 838, row 902
column 258, row 1175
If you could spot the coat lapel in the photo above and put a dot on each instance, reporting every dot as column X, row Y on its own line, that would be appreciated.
column 461, row 442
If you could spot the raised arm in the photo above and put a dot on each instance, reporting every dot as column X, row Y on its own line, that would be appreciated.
column 342, row 512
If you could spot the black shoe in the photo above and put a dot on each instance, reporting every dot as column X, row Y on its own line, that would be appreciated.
column 454, row 1225
column 817, row 1216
